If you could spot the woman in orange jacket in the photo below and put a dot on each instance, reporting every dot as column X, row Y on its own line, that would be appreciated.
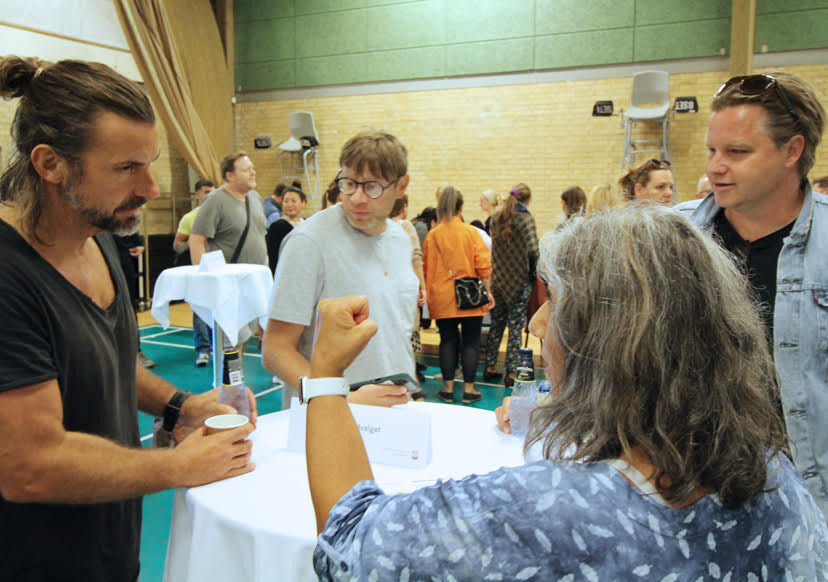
column 453, row 249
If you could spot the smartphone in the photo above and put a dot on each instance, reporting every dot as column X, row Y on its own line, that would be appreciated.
column 399, row 379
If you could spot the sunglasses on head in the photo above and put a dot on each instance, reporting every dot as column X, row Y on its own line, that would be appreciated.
column 752, row 85
column 654, row 163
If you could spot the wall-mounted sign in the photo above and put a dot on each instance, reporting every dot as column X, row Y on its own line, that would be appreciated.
column 602, row 109
column 262, row 142
column 686, row 105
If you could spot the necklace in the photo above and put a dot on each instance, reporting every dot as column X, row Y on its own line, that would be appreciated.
column 381, row 258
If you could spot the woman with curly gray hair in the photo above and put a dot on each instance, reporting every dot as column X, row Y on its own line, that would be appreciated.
column 664, row 456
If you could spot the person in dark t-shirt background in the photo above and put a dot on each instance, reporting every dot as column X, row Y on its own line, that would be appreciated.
column 72, row 471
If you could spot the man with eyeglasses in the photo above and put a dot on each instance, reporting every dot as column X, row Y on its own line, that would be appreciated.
column 346, row 249
column 761, row 144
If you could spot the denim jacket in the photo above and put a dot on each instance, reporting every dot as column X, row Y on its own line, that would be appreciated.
column 800, row 333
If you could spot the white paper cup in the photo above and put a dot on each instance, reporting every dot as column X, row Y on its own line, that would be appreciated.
column 223, row 422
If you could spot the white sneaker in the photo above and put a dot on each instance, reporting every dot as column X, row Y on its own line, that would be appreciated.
column 202, row 360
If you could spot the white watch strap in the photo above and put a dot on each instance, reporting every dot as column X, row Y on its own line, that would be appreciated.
column 313, row 387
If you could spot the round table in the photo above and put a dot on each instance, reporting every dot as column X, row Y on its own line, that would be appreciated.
column 261, row 526
column 228, row 295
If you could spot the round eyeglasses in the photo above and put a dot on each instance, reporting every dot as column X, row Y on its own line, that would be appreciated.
column 372, row 188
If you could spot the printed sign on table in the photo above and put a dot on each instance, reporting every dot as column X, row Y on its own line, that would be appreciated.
column 392, row 436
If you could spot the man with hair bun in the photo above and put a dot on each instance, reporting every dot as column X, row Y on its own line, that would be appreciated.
column 72, row 470
column 761, row 144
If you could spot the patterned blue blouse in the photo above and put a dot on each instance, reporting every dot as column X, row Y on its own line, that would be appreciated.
column 571, row 521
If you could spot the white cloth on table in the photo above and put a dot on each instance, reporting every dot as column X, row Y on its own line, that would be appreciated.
column 261, row 526
column 231, row 295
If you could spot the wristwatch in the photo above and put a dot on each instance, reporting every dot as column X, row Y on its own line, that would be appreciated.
column 313, row 387
column 173, row 409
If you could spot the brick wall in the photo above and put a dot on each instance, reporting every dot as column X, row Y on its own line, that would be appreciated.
column 491, row 137
column 494, row 137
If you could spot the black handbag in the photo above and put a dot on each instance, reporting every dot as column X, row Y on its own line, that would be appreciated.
column 470, row 293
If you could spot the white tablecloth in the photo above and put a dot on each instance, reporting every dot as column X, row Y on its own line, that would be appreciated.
column 231, row 295
column 261, row 526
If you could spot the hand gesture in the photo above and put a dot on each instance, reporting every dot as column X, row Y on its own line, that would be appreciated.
column 204, row 459
column 422, row 297
column 380, row 395
column 502, row 415
column 200, row 407
column 342, row 332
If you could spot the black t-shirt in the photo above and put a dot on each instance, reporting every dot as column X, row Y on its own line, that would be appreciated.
column 758, row 259
column 51, row 330
column 276, row 233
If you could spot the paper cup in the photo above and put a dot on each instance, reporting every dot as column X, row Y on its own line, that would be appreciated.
column 223, row 422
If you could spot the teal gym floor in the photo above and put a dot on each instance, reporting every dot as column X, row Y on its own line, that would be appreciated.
column 172, row 351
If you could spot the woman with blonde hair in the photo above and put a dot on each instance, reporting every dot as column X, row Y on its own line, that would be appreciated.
column 489, row 201
column 452, row 250
column 602, row 196
column 652, row 180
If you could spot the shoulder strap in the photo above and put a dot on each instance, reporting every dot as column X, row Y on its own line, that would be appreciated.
column 243, row 236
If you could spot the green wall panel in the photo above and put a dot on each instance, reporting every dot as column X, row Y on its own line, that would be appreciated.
column 299, row 43
column 370, row 29
column 248, row 10
column 381, row 66
column 770, row 6
column 676, row 41
column 489, row 57
column 792, row 31
column 562, row 16
column 266, row 40
column 481, row 20
column 668, row 11
column 584, row 48
column 266, row 75
column 316, row 6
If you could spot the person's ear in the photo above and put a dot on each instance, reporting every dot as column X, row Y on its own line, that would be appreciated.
column 49, row 165
column 402, row 184
column 794, row 149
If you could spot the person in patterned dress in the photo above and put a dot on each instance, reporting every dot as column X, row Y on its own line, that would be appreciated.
column 514, row 257
column 664, row 460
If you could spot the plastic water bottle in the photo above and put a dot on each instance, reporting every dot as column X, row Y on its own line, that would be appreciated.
column 524, row 394
column 233, row 391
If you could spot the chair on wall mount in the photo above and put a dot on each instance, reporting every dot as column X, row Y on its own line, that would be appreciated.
column 650, row 104
column 303, row 145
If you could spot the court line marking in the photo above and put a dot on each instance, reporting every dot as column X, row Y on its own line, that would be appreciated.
column 165, row 332
column 188, row 347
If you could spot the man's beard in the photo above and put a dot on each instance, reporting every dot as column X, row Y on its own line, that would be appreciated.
column 101, row 219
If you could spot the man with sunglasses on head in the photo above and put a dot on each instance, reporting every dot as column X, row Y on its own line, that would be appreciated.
column 761, row 144
column 346, row 249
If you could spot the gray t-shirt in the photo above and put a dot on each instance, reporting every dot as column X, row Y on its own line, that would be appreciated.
column 323, row 257
column 221, row 219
